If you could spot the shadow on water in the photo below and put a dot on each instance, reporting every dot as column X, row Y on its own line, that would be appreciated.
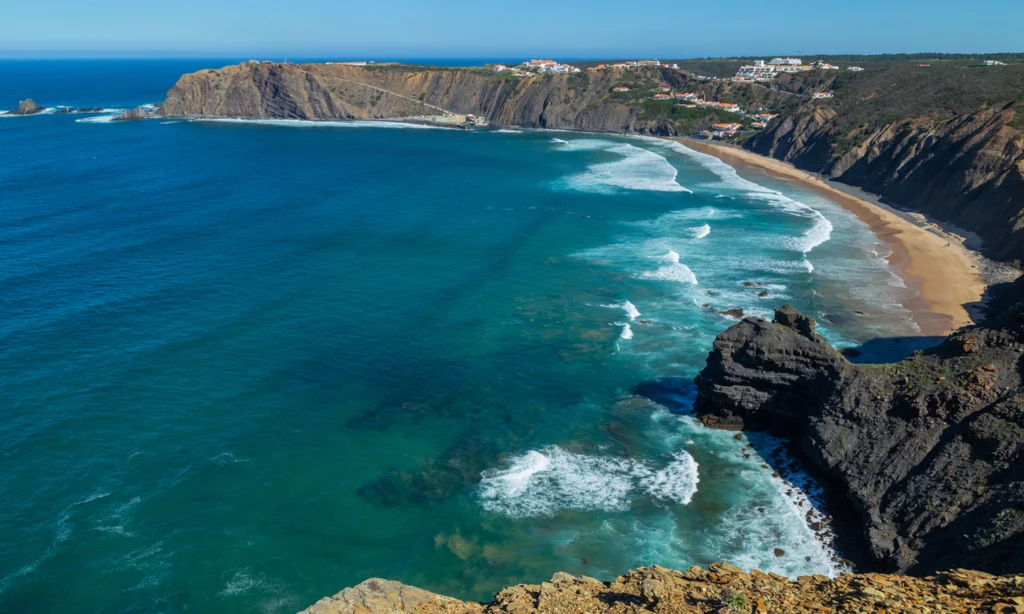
column 889, row 349
column 675, row 393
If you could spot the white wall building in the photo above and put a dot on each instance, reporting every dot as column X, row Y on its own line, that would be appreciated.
column 993, row 63
column 786, row 62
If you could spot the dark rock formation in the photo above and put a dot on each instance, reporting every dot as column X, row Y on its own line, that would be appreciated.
column 927, row 451
column 27, row 107
column 132, row 114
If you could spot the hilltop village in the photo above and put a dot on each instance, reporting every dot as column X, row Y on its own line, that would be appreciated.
column 760, row 71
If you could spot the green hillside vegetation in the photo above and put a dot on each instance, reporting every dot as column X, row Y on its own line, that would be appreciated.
column 903, row 90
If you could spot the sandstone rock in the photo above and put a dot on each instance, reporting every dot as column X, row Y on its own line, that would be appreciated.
column 722, row 589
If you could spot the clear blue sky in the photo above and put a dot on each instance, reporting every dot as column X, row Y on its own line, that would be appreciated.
column 383, row 29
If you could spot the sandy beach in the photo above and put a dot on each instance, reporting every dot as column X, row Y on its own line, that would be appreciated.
column 934, row 263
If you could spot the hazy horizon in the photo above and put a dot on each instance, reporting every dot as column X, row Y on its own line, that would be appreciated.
column 458, row 29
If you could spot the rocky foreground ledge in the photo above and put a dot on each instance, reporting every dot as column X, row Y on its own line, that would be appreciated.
column 720, row 588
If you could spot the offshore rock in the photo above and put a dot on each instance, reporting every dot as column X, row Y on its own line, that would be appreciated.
column 132, row 114
column 927, row 451
column 722, row 588
column 27, row 107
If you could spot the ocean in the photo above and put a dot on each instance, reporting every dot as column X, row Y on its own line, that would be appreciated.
column 248, row 364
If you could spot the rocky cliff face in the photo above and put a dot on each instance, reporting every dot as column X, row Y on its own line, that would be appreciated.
column 721, row 588
column 967, row 170
column 325, row 91
column 927, row 451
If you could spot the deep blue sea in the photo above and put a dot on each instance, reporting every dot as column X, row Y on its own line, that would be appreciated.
column 245, row 365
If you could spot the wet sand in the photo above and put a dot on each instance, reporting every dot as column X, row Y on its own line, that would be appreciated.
column 934, row 263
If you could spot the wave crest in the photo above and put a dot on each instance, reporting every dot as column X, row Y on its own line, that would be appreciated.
column 541, row 483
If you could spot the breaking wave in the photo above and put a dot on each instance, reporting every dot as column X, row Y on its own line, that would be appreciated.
column 672, row 270
column 626, row 306
column 541, row 483
column 821, row 230
column 636, row 169
column 701, row 231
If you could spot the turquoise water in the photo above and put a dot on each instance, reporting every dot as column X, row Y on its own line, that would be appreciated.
column 247, row 365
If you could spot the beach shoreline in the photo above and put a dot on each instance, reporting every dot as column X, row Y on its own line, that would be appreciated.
column 935, row 263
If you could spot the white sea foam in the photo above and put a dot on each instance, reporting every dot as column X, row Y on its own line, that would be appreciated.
column 302, row 123
column 560, row 141
column 636, row 169
column 627, row 330
column 508, row 131
column 672, row 270
column 820, row 232
column 821, row 229
column 541, row 483
column 701, row 231
column 96, row 119
column 626, row 306
column 675, row 482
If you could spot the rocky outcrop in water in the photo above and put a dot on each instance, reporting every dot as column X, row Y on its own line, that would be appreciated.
column 927, row 451
column 721, row 588
column 132, row 115
column 967, row 170
column 27, row 107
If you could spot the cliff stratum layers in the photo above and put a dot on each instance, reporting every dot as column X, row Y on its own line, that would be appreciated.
column 965, row 168
column 332, row 91
column 721, row 588
column 927, row 451
column 947, row 144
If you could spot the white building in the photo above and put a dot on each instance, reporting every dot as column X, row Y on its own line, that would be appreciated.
column 993, row 63
column 786, row 62
column 818, row 95
column 855, row 69
column 825, row 66
column 757, row 72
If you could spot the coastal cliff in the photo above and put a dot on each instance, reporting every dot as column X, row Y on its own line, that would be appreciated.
column 927, row 452
column 330, row 91
column 721, row 588
column 967, row 169
column 579, row 101
column 959, row 158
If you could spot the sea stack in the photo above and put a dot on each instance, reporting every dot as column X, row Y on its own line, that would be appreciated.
column 27, row 107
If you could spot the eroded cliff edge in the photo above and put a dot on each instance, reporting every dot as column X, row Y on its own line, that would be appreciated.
column 333, row 91
column 927, row 451
column 720, row 588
